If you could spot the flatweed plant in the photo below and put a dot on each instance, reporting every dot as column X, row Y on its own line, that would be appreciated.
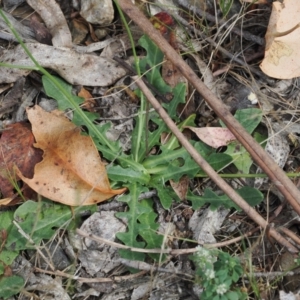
column 138, row 171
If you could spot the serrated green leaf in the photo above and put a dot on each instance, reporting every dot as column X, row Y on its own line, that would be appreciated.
column 176, row 167
column 135, row 210
column 39, row 220
column 117, row 173
column 7, row 256
column 151, row 65
column 167, row 156
column 249, row 118
column 232, row 295
column 225, row 6
column 53, row 92
column 251, row 195
column 153, row 61
column 179, row 94
column 166, row 194
column 150, row 235
column 6, row 219
column 172, row 142
column 152, row 138
column 10, row 286
column 240, row 157
column 261, row 139
column 219, row 161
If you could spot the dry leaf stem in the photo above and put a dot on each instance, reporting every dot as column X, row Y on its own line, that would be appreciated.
column 277, row 175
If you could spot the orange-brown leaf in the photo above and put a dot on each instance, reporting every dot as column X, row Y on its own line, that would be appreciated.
column 89, row 101
column 71, row 171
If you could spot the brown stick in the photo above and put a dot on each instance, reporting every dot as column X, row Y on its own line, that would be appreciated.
column 281, row 181
column 226, row 188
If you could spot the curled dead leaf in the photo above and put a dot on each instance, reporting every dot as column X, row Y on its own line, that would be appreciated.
column 71, row 171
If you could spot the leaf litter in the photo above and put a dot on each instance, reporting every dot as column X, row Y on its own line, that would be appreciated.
column 95, row 72
column 88, row 70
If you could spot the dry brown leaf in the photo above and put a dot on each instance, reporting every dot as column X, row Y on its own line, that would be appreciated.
column 16, row 149
column 180, row 187
column 71, row 172
column 42, row 34
column 283, row 41
column 213, row 136
column 89, row 101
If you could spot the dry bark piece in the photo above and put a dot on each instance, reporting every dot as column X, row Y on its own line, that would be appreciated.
column 24, row 31
column 79, row 69
column 100, row 259
column 277, row 147
column 71, row 171
column 13, row 97
column 204, row 226
column 283, row 41
column 42, row 34
column 79, row 30
column 17, row 149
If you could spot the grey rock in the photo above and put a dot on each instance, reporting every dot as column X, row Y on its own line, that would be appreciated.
column 97, row 11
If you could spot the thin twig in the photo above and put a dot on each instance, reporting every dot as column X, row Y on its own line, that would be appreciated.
column 91, row 280
column 271, row 275
column 140, row 265
column 140, row 250
column 30, row 240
